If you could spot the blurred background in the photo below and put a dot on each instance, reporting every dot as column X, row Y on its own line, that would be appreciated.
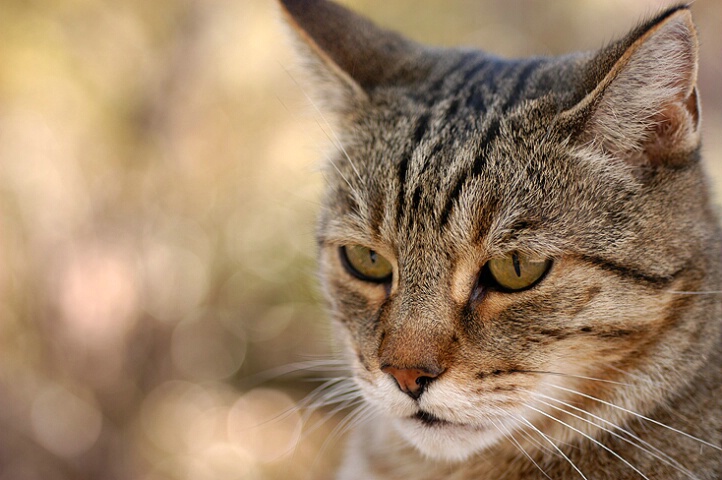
column 158, row 186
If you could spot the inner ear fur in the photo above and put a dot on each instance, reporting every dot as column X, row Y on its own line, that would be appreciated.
column 645, row 108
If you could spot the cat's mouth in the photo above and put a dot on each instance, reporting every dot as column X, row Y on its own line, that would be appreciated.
column 438, row 438
column 429, row 419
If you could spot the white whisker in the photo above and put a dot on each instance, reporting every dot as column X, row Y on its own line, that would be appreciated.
column 700, row 292
column 537, row 443
column 589, row 437
column 635, row 376
column 642, row 445
column 508, row 434
column 325, row 389
column 326, row 365
column 638, row 415
column 358, row 415
column 333, row 137
column 333, row 400
column 331, row 392
column 582, row 377
column 308, row 429
column 528, row 423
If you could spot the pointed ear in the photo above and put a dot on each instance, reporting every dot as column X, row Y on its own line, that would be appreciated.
column 645, row 109
column 347, row 55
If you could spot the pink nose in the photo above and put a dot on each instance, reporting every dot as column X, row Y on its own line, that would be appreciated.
column 411, row 381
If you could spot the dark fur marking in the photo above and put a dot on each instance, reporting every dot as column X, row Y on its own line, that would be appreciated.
column 504, row 388
column 450, row 201
column 617, row 333
column 441, row 81
column 422, row 126
column 557, row 334
column 591, row 293
column 658, row 281
column 492, row 131
column 362, row 360
column 476, row 101
column 453, row 108
column 476, row 68
column 415, row 200
column 677, row 311
column 485, row 218
column 435, row 150
column 497, row 373
column 477, row 167
column 403, row 170
column 428, row 160
column 521, row 83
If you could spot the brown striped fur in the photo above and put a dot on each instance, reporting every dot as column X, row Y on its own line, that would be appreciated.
column 609, row 366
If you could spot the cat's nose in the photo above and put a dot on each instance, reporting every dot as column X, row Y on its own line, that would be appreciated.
column 412, row 381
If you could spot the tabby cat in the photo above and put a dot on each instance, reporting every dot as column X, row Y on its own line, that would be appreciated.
column 520, row 255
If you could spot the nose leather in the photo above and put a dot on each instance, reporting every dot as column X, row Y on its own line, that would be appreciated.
column 411, row 381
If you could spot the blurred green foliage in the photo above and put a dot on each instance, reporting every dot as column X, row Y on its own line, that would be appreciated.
column 158, row 185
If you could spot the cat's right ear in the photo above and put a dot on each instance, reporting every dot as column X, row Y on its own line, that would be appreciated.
column 643, row 106
column 346, row 55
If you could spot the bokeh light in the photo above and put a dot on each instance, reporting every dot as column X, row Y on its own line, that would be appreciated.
column 159, row 178
column 265, row 423
column 64, row 423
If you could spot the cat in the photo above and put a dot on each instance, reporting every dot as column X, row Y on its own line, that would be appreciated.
column 520, row 257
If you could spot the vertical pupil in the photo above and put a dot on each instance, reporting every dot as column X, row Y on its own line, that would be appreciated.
column 372, row 256
column 515, row 261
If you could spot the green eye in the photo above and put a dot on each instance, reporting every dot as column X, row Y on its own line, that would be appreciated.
column 365, row 264
column 517, row 271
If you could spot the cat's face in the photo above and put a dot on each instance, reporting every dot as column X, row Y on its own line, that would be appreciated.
column 500, row 239
column 422, row 275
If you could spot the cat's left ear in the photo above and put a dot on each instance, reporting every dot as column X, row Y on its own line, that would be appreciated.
column 644, row 109
column 348, row 56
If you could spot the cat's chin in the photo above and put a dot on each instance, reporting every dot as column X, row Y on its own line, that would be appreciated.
column 441, row 440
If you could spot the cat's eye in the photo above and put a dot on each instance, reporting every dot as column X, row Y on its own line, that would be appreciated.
column 517, row 271
column 366, row 264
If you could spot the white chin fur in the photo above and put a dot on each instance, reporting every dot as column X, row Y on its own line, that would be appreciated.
column 446, row 442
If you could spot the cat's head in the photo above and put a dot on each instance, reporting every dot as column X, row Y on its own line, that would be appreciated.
column 500, row 238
